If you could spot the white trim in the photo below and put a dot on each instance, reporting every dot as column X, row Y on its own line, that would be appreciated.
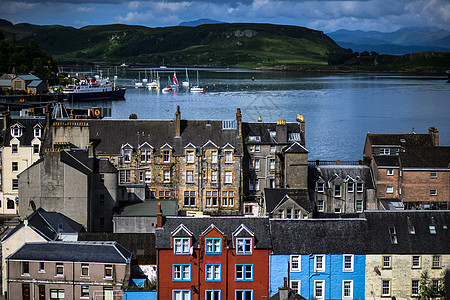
column 210, row 142
column 182, row 227
column 166, row 144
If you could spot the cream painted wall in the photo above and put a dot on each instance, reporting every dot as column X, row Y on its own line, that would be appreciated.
column 401, row 274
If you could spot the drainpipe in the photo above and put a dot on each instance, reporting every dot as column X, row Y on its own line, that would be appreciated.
column 73, row 280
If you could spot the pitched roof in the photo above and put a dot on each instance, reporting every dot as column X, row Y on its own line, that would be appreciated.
column 49, row 224
column 27, row 77
column 263, row 131
column 296, row 148
column 387, row 160
column 327, row 172
column 103, row 252
column 34, row 83
column 292, row 295
column 169, row 207
column 273, row 198
column 436, row 157
column 404, row 140
column 330, row 236
column 27, row 130
column 421, row 242
column 259, row 226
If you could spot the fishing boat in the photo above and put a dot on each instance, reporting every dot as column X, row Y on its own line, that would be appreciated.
column 197, row 88
column 93, row 89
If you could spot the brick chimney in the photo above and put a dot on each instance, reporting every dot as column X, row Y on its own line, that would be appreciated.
column 283, row 292
column 159, row 217
column 281, row 131
column 434, row 133
column 178, row 122
column 239, row 121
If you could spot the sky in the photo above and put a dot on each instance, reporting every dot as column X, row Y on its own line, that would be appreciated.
column 328, row 16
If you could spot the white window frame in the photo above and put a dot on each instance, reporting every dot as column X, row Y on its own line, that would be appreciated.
column 166, row 176
column 213, row 272
column 14, row 148
column 389, row 189
column 350, row 296
column 246, row 271
column 344, row 267
column 126, row 155
column 386, row 262
column 298, row 283
column 214, row 155
column 213, row 176
column 320, row 205
column 36, row 148
column 416, row 262
column 433, row 174
column 322, row 289
column 243, row 294
column 322, row 261
column 390, row 172
column 436, row 261
column 57, row 266
column 181, row 272
column 148, row 176
column 271, row 164
column 296, row 260
column 228, row 176
column 257, row 164
column 385, row 293
column 244, row 246
column 179, row 294
column 385, row 151
column 166, row 159
column 415, row 287
column 228, row 157
column 359, row 187
column 210, row 294
column 336, row 194
column 84, row 267
column 433, row 192
column 181, row 245
column 109, row 267
column 359, row 206
column 190, row 156
column 189, row 176
column 15, row 166
column 350, row 187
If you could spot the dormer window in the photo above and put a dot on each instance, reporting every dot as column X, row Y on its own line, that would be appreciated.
column 320, row 187
column 126, row 155
column 228, row 156
column 16, row 132
column 181, row 245
column 37, row 132
column 146, row 155
column 350, row 187
column 190, row 156
column 166, row 155
column 337, row 191
column 254, row 138
column 359, row 187
column 273, row 134
column 244, row 246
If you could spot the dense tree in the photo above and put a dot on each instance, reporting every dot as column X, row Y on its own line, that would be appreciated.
column 428, row 289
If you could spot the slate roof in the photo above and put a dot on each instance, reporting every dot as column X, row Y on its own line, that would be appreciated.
column 101, row 252
column 28, row 130
column 296, row 148
column 422, row 242
column 263, row 130
column 292, row 295
column 27, row 77
column 330, row 236
column 5, row 83
column 273, row 197
column 436, row 157
column 159, row 132
column 387, row 160
column 411, row 140
column 48, row 224
column 327, row 172
column 169, row 207
column 258, row 225
column 34, row 83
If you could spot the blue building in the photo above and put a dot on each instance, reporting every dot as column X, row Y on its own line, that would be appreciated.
column 321, row 258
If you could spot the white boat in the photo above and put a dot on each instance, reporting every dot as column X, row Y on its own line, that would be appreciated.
column 197, row 88
column 185, row 83
column 154, row 85
column 140, row 84
column 93, row 89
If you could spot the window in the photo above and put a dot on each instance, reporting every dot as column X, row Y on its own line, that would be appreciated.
column 254, row 138
column 166, row 176
column 244, row 295
column 432, row 229
column 248, row 209
column 108, row 271
column 190, row 156
column 386, row 262
column 42, row 267
column 385, row 288
column 435, row 284
column 59, row 269
column 148, row 176
column 289, row 213
column 390, row 172
column 213, row 246
column 337, row 191
column 297, row 213
column 36, row 148
column 228, row 156
column 84, row 291
column 15, row 166
column 359, row 206
column 296, row 286
column 295, row 263
column 415, row 262
column 166, row 155
column 15, row 184
column 320, row 205
column 433, row 192
column 181, row 272
column 244, row 246
column 189, row 198
column 257, row 164
column 25, row 268
column 10, row 204
column 14, row 148
column 57, row 294
column 214, row 157
column 433, row 174
column 182, row 245
column 359, row 187
column 319, row 289
column 272, row 164
column 319, row 263
column 436, row 262
column 126, row 155
column 385, row 151
column 253, row 184
column 189, row 176
column 213, row 176
column 16, row 132
column 347, row 289
column 37, row 132
column 211, row 198
column 146, row 156
column 212, row 295
column 272, row 149
column 337, row 210
column 212, row 272
column 348, row 263
column 125, row 176
column 204, row 174
column 350, row 186
column 389, row 189
column 393, row 235
column 228, row 177
column 244, row 273
column 181, row 295
column 415, row 287
column 84, row 270
column 227, row 198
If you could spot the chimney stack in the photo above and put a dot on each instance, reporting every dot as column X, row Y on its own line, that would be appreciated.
column 159, row 217
column 178, row 121
column 301, row 121
column 283, row 292
column 281, row 130
column 434, row 133
column 239, row 121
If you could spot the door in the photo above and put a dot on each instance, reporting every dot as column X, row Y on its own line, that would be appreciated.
column 26, row 292
column 42, row 292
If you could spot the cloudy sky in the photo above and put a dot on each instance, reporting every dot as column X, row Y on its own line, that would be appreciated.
column 381, row 15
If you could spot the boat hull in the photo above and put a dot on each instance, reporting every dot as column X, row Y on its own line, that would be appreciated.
column 118, row 94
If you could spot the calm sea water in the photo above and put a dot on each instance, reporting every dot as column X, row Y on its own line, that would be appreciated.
column 339, row 110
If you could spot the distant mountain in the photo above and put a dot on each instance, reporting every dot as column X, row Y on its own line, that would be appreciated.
column 199, row 22
column 402, row 41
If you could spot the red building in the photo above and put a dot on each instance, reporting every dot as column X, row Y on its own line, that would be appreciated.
column 214, row 258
